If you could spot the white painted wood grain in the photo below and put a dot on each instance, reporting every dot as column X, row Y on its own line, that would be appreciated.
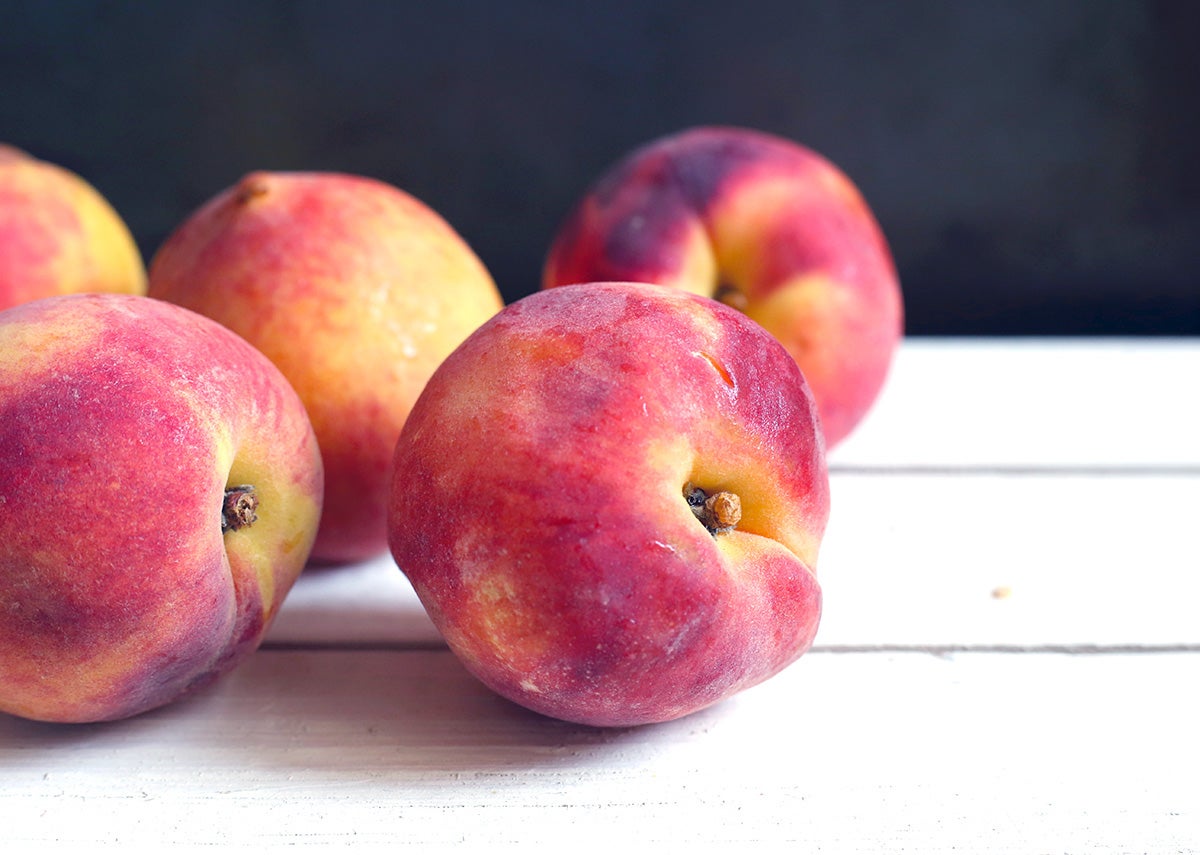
column 934, row 559
column 981, row 560
column 903, row 752
column 1034, row 402
column 369, row 602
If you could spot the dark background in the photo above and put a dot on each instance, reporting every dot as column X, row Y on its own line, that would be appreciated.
column 1033, row 162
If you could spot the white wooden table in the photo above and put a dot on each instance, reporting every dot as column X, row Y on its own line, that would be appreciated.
column 1009, row 662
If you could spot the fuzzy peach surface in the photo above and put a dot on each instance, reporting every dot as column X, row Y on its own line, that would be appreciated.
column 122, row 422
column 58, row 235
column 538, row 503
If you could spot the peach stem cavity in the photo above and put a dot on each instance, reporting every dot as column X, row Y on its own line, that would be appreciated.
column 731, row 296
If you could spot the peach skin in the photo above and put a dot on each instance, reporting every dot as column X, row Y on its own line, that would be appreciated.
column 764, row 225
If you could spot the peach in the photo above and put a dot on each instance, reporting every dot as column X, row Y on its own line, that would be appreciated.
column 160, row 487
column 58, row 235
column 356, row 291
column 610, row 500
column 765, row 225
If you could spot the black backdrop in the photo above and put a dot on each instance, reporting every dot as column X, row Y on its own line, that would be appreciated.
column 1034, row 163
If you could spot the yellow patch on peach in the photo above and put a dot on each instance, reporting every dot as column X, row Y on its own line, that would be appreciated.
column 838, row 184
column 401, row 330
column 500, row 620
column 700, row 270
column 41, row 349
column 708, row 329
column 672, row 458
column 90, row 250
column 743, row 552
column 494, row 617
column 115, row 257
column 807, row 314
column 738, row 221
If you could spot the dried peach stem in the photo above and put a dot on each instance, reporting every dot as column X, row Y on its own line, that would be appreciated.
column 720, row 512
column 239, row 509
column 250, row 189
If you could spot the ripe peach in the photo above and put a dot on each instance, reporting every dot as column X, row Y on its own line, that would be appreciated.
column 58, row 235
column 610, row 500
column 160, row 487
column 356, row 290
column 764, row 225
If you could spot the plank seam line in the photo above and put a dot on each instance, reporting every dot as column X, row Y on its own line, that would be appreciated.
column 932, row 649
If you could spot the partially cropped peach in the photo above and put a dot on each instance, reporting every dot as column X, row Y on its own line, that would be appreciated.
column 160, row 487
column 58, row 235
column 610, row 499
column 357, row 291
column 765, row 225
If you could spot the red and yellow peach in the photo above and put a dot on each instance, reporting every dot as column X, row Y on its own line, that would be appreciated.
column 160, row 486
column 610, row 500
column 58, row 235
column 356, row 291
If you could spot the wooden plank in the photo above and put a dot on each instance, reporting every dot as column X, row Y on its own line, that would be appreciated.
column 841, row 752
column 938, row 559
column 367, row 603
column 1034, row 403
column 982, row 560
